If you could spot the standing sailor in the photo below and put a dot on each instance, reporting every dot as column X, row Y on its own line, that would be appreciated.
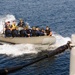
column 21, row 26
column 21, row 23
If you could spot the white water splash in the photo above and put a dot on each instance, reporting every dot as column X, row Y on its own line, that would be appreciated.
column 4, row 19
column 9, row 18
column 16, row 50
column 60, row 40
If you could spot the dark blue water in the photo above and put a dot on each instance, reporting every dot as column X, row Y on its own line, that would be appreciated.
column 58, row 14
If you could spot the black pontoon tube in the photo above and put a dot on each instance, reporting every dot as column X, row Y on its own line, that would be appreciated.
column 50, row 54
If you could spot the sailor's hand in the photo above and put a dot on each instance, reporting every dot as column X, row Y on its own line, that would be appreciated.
column 28, row 35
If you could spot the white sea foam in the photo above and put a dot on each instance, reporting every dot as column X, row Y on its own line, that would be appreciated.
column 4, row 19
column 60, row 40
column 20, row 49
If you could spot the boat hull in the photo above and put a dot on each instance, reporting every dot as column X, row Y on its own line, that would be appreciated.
column 29, row 40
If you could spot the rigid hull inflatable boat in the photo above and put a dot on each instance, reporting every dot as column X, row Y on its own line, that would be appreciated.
column 29, row 40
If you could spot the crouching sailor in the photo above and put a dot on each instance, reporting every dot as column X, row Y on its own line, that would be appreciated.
column 14, row 29
column 7, row 29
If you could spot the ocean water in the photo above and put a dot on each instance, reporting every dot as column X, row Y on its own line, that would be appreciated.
column 59, row 15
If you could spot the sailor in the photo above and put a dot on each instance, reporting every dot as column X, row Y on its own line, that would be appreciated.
column 48, row 31
column 21, row 23
column 23, row 32
column 28, row 31
column 7, row 29
column 33, row 31
column 42, row 32
column 38, row 33
column 14, row 29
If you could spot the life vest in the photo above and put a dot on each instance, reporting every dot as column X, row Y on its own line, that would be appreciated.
column 13, row 26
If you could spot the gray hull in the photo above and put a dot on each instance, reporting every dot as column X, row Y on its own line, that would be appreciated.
column 29, row 40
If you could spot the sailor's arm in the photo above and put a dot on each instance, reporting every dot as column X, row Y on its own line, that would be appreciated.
column 50, row 34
